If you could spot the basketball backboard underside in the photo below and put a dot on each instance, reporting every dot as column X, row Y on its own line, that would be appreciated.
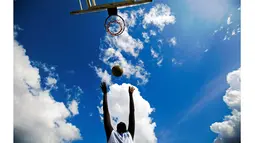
column 92, row 7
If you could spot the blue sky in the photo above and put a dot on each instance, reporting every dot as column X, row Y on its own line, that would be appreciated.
column 186, row 89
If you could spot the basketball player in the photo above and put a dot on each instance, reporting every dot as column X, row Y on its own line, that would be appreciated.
column 122, row 135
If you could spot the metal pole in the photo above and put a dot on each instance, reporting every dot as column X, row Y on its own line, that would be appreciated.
column 80, row 4
column 88, row 3
column 94, row 2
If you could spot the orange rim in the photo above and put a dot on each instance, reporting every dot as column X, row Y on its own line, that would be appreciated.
column 107, row 26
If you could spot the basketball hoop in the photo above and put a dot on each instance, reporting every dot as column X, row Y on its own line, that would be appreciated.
column 114, row 24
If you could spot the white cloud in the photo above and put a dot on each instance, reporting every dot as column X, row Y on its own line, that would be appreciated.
column 231, row 29
column 16, row 29
column 146, row 37
column 125, row 45
column 130, row 17
column 154, row 54
column 125, row 42
column 175, row 62
column 225, row 38
column 153, row 33
column 233, row 32
column 118, row 103
column 215, row 31
column 37, row 116
column 160, row 41
column 160, row 60
column 103, row 75
column 172, row 41
column 73, row 107
column 159, row 15
column 73, row 93
column 229, row 20
column 51, row 82
column 46, row 68
column 230, row 34
column 238, row 30
column 113, row 57
column 229, row 130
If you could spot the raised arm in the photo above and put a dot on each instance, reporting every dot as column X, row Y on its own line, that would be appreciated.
column 131, row 125
column 107, row 120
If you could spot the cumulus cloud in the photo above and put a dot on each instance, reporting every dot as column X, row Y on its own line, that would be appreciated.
column 117, row 49
column 118, row 103
column 159, row 15
column 73, row 107
column 103, row 75
column 51, row 82
column 37, row 116
column 125, row 42
column 172, row 41
column 153, row 33
column 229, row 130
column 131, row 17
column 113, row 57
column 146, row 37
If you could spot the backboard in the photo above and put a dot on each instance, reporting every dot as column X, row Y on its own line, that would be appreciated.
column 93, row 7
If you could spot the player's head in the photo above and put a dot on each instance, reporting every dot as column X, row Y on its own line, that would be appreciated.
column 121, row 127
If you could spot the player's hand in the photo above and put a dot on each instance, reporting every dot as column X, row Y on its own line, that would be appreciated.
column 103, row 87
column 131, row 89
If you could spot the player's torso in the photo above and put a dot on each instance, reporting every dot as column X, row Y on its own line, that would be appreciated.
column 117, row 138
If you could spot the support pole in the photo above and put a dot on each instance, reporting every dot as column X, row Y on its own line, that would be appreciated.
column 112, row 11
column 88, row 3
column 80, row 4
column 93, row 2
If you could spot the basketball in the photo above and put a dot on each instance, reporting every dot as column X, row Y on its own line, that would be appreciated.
column 117, row 71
